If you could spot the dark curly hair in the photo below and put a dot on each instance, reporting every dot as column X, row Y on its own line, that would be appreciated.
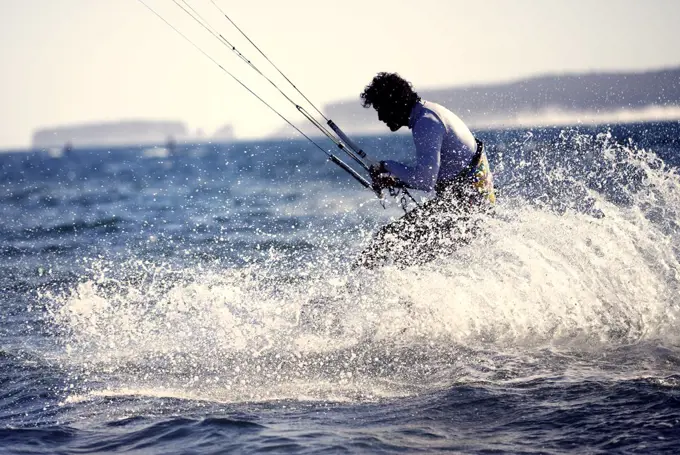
column 389, row 89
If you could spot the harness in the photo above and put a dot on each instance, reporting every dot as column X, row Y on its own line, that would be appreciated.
column 474, row 181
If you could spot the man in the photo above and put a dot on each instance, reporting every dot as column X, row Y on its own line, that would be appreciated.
column 449, row 160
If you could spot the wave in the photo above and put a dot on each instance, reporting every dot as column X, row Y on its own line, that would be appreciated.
column 579, row 262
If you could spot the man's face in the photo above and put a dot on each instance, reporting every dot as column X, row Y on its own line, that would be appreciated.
column 393, row 118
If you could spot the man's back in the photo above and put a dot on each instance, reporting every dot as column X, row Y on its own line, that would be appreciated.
column 444, row 146
column 458, row 145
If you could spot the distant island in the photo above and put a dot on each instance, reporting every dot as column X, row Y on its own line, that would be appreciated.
column 224, row 133
column 110, row 133
column 128, row 132
column 545, row 100
column 616, row 97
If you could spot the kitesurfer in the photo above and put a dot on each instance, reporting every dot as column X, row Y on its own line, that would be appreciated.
column 449, row 161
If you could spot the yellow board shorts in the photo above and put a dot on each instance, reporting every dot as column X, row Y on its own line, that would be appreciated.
column 482, row 179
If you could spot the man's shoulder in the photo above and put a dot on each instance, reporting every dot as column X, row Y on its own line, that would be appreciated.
column 437, row 109
column 447, row 117
column 429, row 116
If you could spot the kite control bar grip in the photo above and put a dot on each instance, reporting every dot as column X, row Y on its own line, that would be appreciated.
column 350, row 143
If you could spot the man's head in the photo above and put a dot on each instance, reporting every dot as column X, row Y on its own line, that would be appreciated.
column 392, row 97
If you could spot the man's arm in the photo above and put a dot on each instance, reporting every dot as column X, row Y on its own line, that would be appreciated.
column 428, row 135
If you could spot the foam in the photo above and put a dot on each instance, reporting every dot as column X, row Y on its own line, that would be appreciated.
column 548, row 277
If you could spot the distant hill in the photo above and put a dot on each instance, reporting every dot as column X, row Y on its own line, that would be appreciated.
column 224, row 133
column 111, row 133
column 564, row 98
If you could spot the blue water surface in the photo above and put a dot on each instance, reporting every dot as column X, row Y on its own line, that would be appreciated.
column 203, row 301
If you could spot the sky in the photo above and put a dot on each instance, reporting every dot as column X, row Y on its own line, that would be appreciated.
column 75, row 61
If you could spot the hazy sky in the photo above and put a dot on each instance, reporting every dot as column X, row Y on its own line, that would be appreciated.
column 66, row 61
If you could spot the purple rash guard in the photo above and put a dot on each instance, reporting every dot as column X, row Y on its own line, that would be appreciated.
column 444, row 146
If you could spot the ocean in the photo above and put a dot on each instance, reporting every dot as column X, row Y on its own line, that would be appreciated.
column 203, row 302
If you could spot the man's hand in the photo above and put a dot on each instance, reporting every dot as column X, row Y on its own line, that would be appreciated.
column 382, row 178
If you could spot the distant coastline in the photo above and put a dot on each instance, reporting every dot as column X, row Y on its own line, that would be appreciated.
column 124, row 132
column 552, row 100
column 594, row 98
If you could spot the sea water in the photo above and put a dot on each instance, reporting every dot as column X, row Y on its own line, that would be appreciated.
column 203, row 301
